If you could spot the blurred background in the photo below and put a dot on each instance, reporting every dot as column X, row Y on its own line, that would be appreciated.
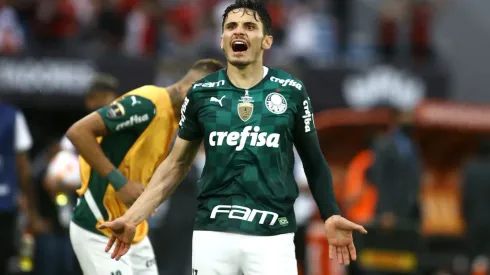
column 399, row 88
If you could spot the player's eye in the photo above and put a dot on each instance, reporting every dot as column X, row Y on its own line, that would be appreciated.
column 250, row 27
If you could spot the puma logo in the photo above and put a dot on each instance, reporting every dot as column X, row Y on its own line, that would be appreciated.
column 214, row 99
column 135, row 101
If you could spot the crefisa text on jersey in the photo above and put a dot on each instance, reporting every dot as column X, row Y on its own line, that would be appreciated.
column 308, row 116
column 240, row 139
column 286, row 82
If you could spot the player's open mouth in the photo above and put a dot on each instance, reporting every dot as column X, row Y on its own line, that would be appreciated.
column 239, row 46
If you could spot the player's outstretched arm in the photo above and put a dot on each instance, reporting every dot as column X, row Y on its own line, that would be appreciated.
column 165, row 180
column 163, row 183
column 338, row 229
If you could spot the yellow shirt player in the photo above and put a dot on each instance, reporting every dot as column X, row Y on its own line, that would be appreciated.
column 120, row 146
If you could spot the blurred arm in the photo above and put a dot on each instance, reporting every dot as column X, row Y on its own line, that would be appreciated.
column 318, row 174
column 23, row 143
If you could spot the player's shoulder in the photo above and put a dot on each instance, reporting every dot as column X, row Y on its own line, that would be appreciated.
column 209, row 83
column 8, row 107
column 285, row 79
column 150, row 92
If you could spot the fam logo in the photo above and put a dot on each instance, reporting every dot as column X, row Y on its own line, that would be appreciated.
column 384, row 85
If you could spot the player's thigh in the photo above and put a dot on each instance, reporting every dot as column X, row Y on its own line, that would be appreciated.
column 89, row 249
column 142, row 258
column 267, row 255
column 214, row 253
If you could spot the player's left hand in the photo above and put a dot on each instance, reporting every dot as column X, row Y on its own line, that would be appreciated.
column 340, row 241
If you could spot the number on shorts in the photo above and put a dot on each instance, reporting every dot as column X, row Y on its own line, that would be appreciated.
column 116, row 273
column 194, row 271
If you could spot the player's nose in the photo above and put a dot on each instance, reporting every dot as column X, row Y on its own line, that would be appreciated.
column 239, row 31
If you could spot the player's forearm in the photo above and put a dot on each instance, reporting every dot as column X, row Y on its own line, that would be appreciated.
column 319, row 176
column 163, row 183
column 85, row 141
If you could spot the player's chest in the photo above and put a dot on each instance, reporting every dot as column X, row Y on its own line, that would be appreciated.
column 247, row 107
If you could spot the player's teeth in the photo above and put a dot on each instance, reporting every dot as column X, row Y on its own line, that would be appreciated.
column 239, row 42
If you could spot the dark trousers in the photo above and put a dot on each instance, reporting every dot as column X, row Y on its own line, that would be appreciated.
column 7, row 239
column 54, row 255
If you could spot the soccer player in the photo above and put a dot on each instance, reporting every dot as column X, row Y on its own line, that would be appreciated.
column 120, row 147
column 249, row 117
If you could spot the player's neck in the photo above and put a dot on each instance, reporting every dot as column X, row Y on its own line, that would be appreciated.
column 176, row 97
column 245, row 77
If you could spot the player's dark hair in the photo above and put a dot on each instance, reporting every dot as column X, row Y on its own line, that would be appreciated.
column 207, row 66
column 258, row 8
column 103, row 83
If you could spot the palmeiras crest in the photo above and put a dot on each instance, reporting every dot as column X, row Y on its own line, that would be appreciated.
column 245, row 107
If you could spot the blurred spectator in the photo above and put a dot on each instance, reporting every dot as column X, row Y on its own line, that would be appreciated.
column 396, row 172
column 57, row 180
column 111, row 27
column 142, row 28
column 12, row 40
column 305, row 40
column 341, row 11
column 278, row 14
column 420, row 16
column 55, row 21
column 360, row 195
column 15, row 172
column 476, row 205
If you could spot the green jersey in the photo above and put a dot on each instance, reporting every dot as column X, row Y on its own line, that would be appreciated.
column 141, row 125
column 247, row 184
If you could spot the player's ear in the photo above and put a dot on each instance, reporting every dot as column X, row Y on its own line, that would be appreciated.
column 267, row 42
column 221, row 42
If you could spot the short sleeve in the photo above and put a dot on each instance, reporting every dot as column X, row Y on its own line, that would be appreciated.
column 130, row 113
column 305, row 123
column 188, row 126
column 23, row 138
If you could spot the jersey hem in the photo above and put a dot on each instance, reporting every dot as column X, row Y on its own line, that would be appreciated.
column 242, row 232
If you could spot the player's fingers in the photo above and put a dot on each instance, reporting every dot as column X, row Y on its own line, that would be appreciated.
column 339, row 255
column 345, row 255
column 331, row 252
column 110, row 243
column 116, row 249
column 353, row 226
column 352, row 251
column 361, row 229
column 124, row 249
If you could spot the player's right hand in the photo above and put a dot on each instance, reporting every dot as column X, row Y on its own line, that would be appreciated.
column 122, row 234
column 130, row 192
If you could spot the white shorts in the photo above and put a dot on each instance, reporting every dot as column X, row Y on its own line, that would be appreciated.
column 90, row 251
column 221, row 253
